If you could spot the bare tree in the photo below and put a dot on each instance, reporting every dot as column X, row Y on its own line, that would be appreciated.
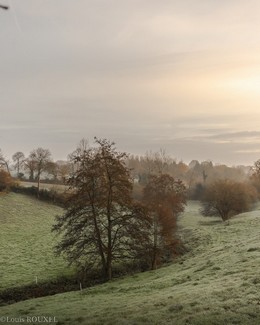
column 18, row 159
column 4, row 162
column 30, row 166
column 59, row 170
column 256, row 169
column 52, row 169
column 39, row 159
column 82, row 147
column 64, row 169
column 157, row 162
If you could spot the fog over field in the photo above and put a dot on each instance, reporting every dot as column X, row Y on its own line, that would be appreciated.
column 179, row 75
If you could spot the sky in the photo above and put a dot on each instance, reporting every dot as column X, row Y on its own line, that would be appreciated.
column 183, row 76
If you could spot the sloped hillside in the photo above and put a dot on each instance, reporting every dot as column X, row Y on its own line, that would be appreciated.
column 26, row 241
column 217, row 282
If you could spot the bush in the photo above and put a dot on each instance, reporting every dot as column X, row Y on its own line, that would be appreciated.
column 44, row 194
column 227, row 198
column 6, row 181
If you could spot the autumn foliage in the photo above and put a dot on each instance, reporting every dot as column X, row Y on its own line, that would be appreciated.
column 101, row 224
column 227, row 198
column 165, row 199
column 6, row 181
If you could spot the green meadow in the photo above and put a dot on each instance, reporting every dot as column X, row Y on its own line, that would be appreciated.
column 216, row 282
column 26, row 241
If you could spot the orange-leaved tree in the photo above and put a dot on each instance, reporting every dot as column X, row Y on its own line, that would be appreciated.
column 164, row 198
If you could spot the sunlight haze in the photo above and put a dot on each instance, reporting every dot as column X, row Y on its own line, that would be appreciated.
column 178, row 75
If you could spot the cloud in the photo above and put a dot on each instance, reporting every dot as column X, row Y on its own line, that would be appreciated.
column 248, row 151
column 244, row 137
column 147, row 74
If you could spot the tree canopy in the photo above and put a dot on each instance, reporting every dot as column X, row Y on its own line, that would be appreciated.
column 165, row 199
column 101, row 224
column 227, row 198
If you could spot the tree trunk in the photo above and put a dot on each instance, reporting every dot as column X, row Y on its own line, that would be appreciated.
column 18, row 168
column 31, row 177
column 154, row 260
column 99, row 240
column 109, row 249
column 155, row 242
column 38, row 186
column 109, row 267
column 7, row 167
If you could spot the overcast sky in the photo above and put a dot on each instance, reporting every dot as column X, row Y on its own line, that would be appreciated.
column 147, row 74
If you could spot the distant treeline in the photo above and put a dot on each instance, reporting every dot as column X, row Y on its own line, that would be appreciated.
column 39, row 166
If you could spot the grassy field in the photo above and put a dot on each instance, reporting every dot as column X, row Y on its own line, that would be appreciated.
column 43, row 186
column 217, row 282
column 26, row 243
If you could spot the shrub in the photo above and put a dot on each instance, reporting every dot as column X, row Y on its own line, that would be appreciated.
column 6, row 181
column 227, row 198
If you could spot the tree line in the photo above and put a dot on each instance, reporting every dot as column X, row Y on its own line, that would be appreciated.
column 123, row 210
column 105, row 225
column 35, row 165
column 39, row 165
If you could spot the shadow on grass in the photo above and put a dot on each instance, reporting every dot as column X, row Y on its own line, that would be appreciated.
column 210, row 222
column 63, row 284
